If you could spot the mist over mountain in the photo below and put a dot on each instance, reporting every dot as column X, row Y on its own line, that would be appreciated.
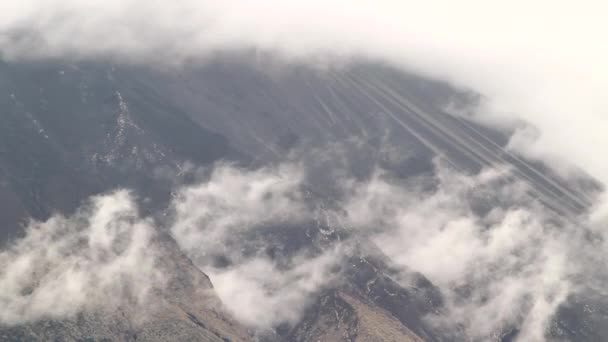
column 230, row 172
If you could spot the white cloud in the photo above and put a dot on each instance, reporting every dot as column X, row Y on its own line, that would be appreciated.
column 232, row 201
column 508, row 266
column 105, row 255
column 500, row 258
column 541, row 61
column 214, row 218
column 100, row 257
column 261, row 295
column 480, row 234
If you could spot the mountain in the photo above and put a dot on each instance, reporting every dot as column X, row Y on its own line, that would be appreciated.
column 74, row 130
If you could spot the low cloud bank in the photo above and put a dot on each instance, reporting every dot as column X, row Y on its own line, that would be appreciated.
column 216, row 219
column 541, row 62
column 495, row 253
column 102, row 256
column 501, row 259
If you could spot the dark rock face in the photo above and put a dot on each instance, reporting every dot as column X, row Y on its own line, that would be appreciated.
column 72, row 130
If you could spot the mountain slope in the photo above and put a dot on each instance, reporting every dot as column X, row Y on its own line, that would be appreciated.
column 74, row 130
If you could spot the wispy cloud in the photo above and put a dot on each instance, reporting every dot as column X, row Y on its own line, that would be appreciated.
column 100, row 257
column 501, row 259
column 216, row 219
column 499, row 265
column 213, row 216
